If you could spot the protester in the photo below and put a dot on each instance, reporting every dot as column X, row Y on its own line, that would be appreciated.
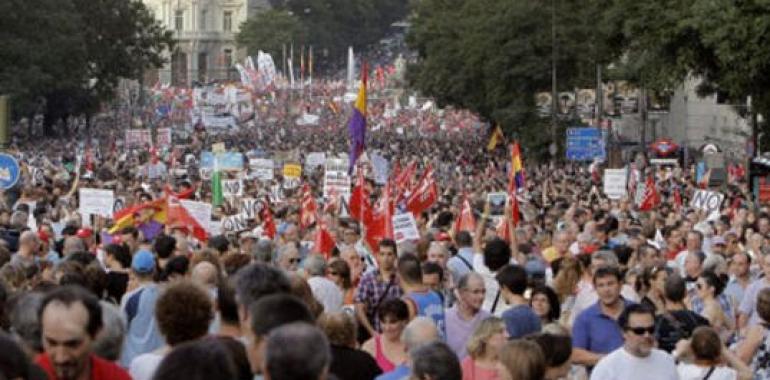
column 435, row 360
column 296, row 351
column 70, row 320
column 483, row 348
column 348, row 362
column 377, row 287
column 676, row 322
column 388, row 348
column 522, row 360
column 519, row 319
column 545, row 304
column 139, row 307
column 420, row 331
column 557, row 349
column 637, row 358
column 466, row 315
column 421, row 300
column 755, row 348
column 708, row 358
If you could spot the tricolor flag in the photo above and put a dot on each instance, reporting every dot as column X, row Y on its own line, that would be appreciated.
column 357, row 125
column 496, row 138
column 517, row 167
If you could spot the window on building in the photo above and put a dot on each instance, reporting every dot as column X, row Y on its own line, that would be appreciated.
column 179, row 20
column 228, row 58
column 227, row 21
column 202, row 22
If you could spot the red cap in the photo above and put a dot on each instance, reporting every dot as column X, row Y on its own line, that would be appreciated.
column 443, row 236
column 84, row 233
column 43, row 236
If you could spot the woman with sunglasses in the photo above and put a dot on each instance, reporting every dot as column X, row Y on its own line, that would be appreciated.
column 653, row 280
column 709, row 287
column 339, row 273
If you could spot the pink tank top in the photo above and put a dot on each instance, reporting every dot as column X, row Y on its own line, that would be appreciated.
column 385, row 364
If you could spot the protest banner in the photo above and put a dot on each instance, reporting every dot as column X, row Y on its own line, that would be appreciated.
column 708, row 201
column 200, row 211
column 615, row 183
column 164, row 138
column 96, row 202
column 228, row 161
column 261, row 169
column 138, row 138
column 314, row 160
column 405, row 227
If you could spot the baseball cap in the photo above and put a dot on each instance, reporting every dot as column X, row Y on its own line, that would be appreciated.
column 143, row 262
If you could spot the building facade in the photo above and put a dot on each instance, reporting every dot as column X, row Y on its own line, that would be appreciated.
column 205, row 32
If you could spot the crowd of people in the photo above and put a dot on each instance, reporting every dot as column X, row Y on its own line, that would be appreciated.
column 574, row 286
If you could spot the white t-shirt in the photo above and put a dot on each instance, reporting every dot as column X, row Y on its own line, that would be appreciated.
column 620, row 365
column 143, row 367
column 491, row 285
column 693, row 372
column 327, row 293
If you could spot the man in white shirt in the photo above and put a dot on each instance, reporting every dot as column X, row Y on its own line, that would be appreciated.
column 636, row 359
column 324, row 290
column 497, row 254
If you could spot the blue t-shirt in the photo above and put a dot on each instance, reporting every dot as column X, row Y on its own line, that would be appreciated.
column 429, row 304
column 596, row 332
column 520, row 320
column 399, row 373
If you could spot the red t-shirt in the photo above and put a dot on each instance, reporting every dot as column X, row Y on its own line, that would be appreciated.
column 100, row 369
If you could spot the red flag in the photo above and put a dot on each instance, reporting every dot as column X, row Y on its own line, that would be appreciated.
column 465, row 221
column 185, row 194
column 178, row 215
column 308, row 209
column 89, row 160
column 333, row 204
column 380, row 225
column 324, row 242
column 424, row 196
column 360, row 209
column 651, row 196
column 268, row 224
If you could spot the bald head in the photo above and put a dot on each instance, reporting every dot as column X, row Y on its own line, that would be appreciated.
column 205, row 273
column 418, row 332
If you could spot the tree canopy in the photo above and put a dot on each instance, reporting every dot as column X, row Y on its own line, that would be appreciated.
column 72, row 53
column 329, row 25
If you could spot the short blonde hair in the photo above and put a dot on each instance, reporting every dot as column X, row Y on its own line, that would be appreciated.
column 477, row 343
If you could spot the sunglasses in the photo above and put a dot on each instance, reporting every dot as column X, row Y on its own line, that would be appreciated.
column 294, row 261
column 641, row 330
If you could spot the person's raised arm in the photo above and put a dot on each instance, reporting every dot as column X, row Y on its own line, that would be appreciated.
column 478, row 236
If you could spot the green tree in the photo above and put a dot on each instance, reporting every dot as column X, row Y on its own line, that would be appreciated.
column 270, row 32
column 493, row 56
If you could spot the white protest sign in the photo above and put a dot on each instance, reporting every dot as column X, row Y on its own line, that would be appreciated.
column 336, row 178
column 234, row 223
column 497, row 203
column 380, row 167
column 200, row 211
column 708, row 201
column 405, row 227
column 314, row 159
column 251, row 207
column 96, row 202
column 615, row 183
column 232, row 187
column 261, row 169
column 119, row 204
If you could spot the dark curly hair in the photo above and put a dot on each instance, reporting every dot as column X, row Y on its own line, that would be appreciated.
column 184, row 311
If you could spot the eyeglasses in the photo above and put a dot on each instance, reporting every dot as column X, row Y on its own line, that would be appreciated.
column 333, row 274
column 641, row 330
column 294, row 261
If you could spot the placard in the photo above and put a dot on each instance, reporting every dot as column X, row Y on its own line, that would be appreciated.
column 234, row 223
column 96, row 202
column 497, row 203
column 251, row 207
column 381, row 168
column 615, row 183
column 708, row 201
column 314, row 160
column 228, row 161
column 232, row 187
column 405, row 227
column 336, row 178
column 261, row 169
column 292, row 171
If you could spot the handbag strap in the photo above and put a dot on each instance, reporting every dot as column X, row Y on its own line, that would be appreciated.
column 709, row 373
